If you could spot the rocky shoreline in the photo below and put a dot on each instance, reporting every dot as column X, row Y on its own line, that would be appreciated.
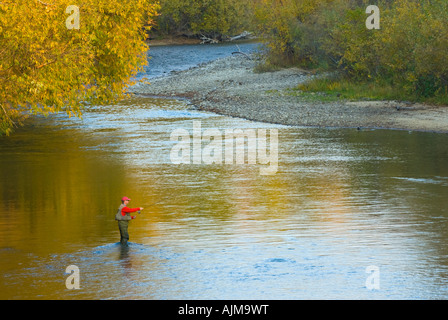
column 230, row 86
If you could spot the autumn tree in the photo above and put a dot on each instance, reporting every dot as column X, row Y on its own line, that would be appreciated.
column 409, row 51
column 214, row 18
column 47, row 67
column 285, row 27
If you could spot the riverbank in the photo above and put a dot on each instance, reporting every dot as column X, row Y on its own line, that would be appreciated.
column 231, row 87
column 169, row 41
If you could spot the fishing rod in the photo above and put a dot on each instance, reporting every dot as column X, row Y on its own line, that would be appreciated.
column 155, row 203
column 151, row 205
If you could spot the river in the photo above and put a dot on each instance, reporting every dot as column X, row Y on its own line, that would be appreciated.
column 341, row 203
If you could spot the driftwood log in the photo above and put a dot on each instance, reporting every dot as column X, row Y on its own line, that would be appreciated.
column 208, row 40
column 244, row 54
column 244, row 35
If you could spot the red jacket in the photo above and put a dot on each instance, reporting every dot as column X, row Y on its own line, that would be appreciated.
column 126, row 210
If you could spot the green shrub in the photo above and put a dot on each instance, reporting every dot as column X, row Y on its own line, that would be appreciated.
column 409, row 52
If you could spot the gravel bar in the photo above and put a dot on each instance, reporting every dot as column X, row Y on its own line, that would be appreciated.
column 229, row 86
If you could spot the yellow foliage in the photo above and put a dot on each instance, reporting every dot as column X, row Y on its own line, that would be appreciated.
column 284, row 26
column 46, row 67
column 208, row 17
column 410, row 50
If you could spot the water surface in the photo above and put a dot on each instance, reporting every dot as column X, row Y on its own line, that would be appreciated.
column 342, row 200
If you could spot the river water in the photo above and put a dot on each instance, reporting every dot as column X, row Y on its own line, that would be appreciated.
column 341, row 203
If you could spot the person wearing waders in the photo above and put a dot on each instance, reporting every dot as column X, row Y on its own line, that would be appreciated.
column 123, row 217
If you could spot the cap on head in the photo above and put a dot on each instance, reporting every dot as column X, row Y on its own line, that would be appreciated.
column 125, row 199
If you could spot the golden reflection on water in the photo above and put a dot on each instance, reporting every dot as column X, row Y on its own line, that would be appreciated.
column 341, row 199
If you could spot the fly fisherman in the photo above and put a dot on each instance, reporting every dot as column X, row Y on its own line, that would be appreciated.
column 123, row 217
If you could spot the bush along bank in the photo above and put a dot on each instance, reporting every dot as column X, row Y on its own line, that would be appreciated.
column 403, row 58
